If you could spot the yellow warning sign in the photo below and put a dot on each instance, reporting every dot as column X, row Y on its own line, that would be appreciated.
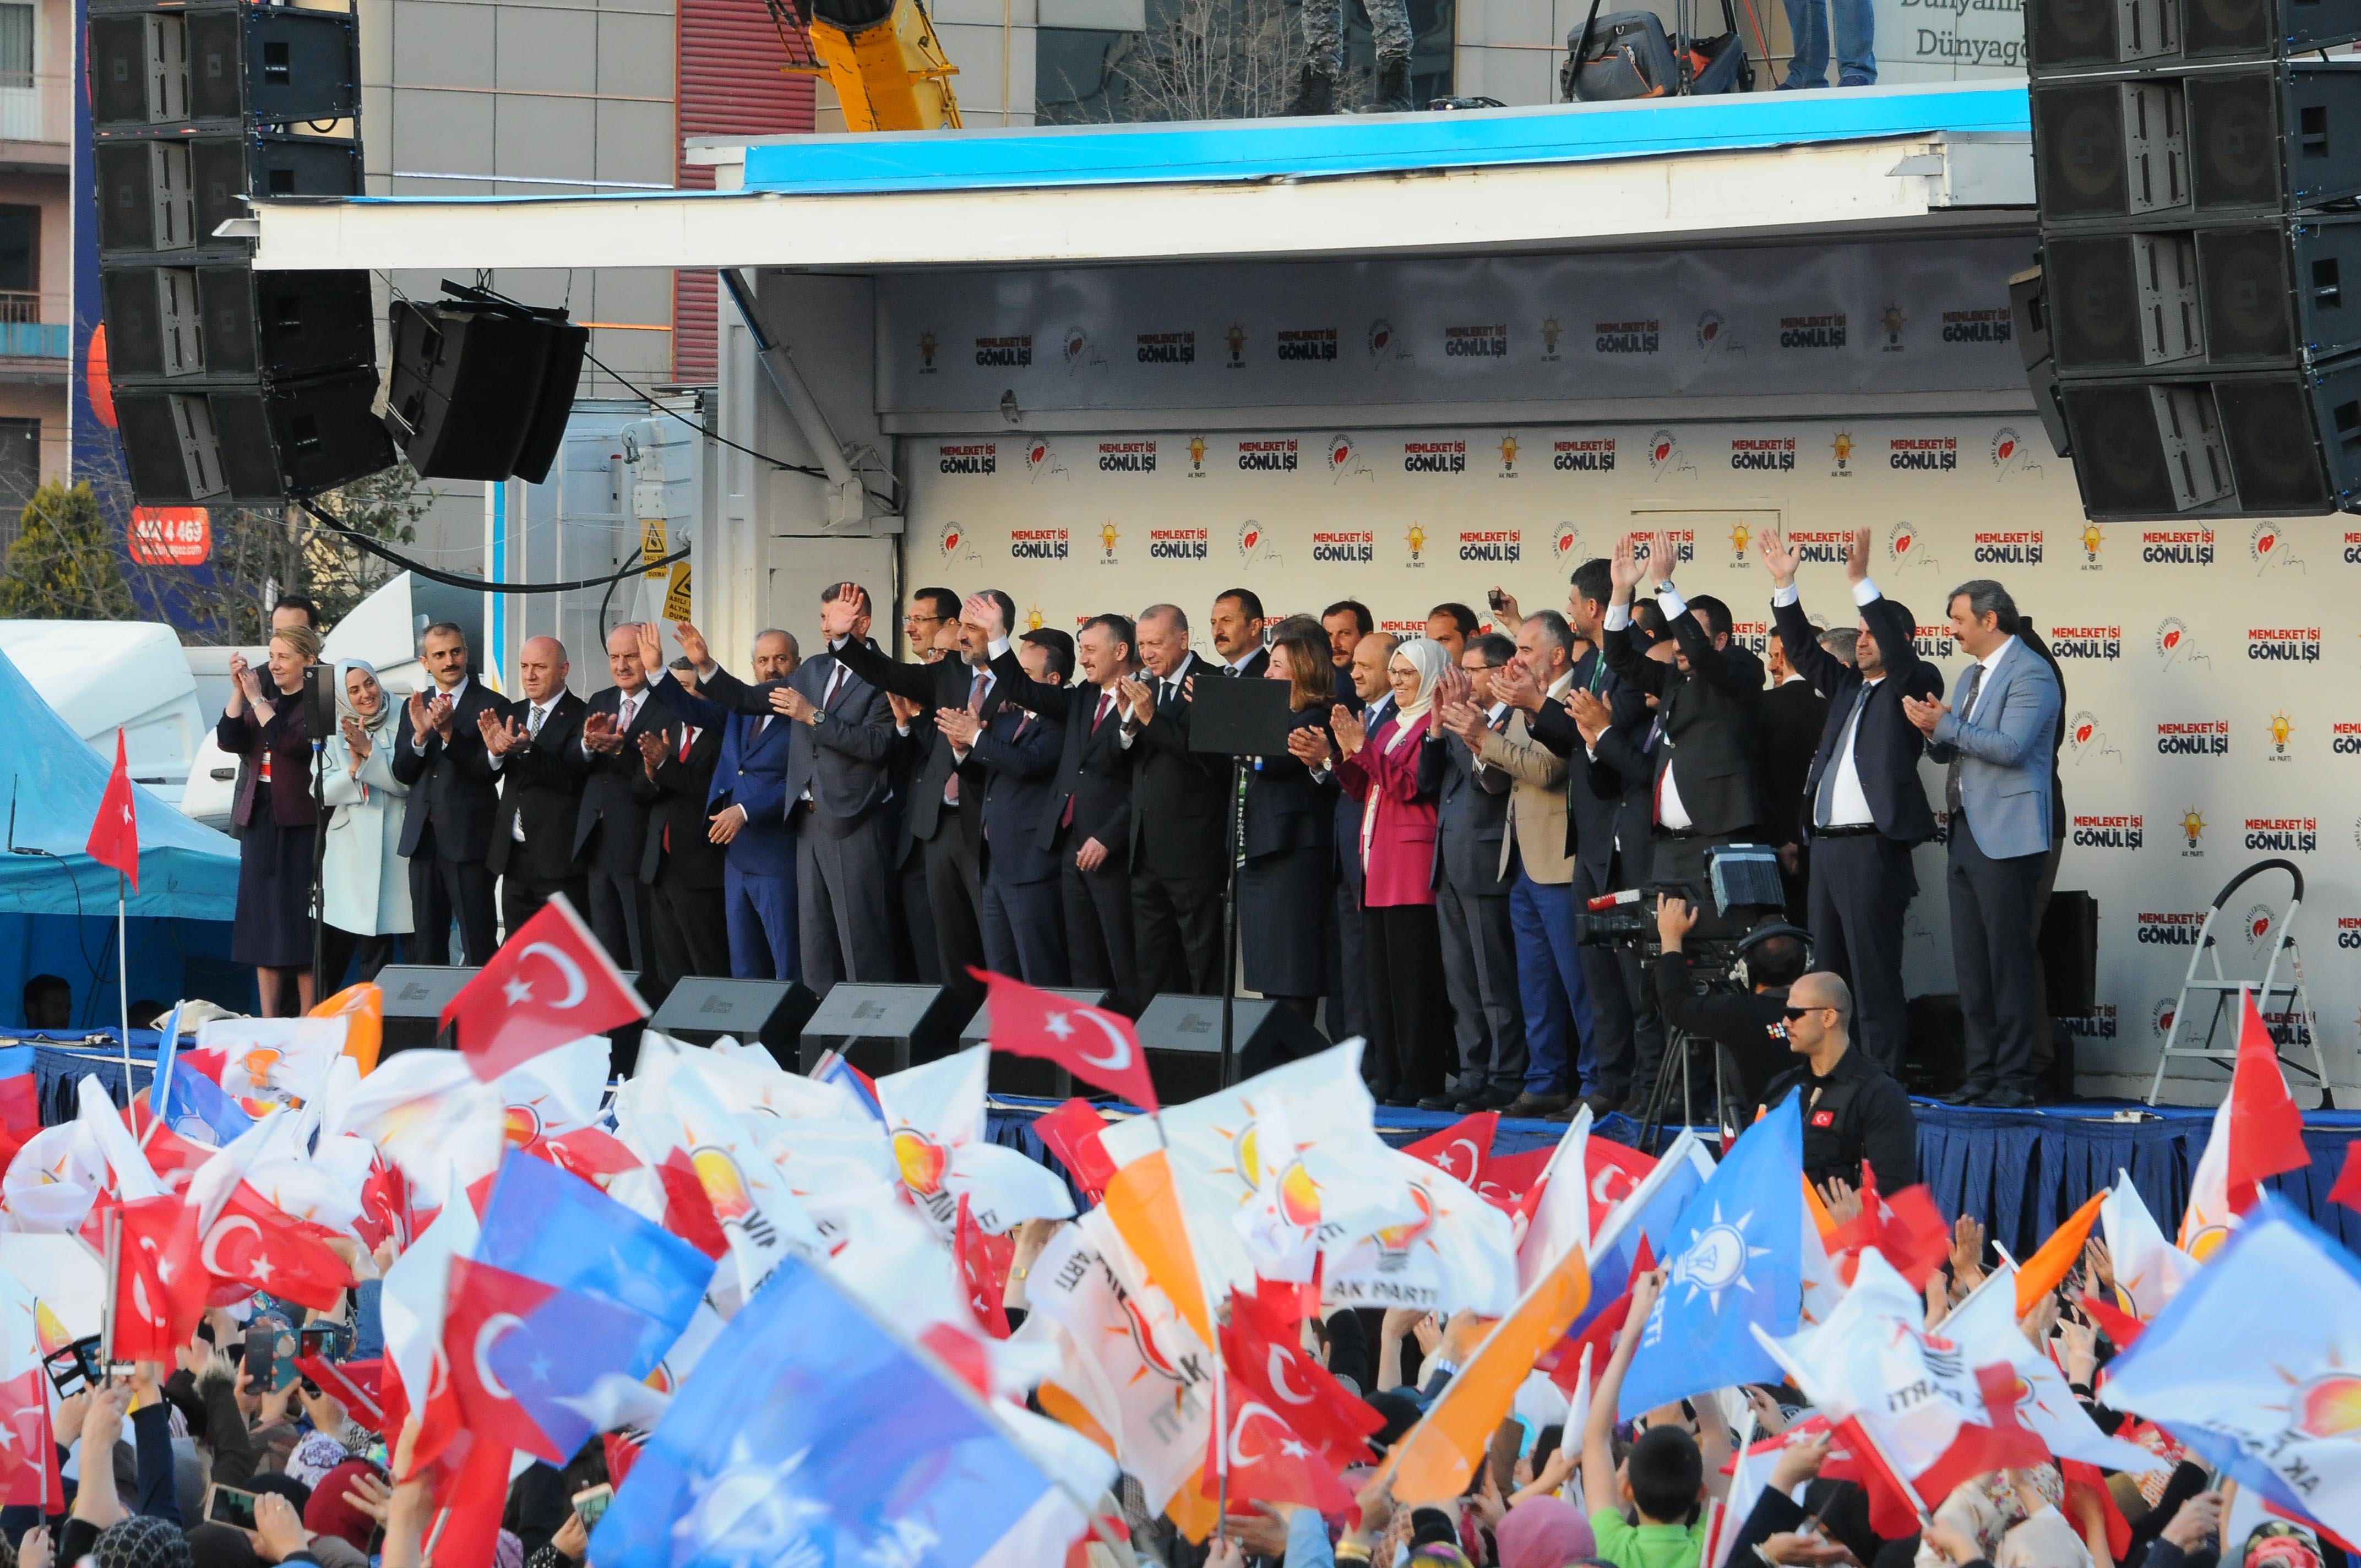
column 676, row 606
column 652, row 543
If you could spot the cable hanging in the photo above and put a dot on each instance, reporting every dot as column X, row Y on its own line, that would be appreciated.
column 479, row 585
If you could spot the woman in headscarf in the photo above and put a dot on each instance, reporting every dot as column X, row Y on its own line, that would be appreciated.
column 266, row 721
column 1285, row 888
column 364, row 880
column 1396, row 771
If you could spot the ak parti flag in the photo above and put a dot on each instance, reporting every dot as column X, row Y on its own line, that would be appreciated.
column 2055, row 1259
column 114, row 834
column 550, row 983
column 1092, row 1044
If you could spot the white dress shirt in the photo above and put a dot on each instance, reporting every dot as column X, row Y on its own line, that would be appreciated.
column 1124, row 737
column 536, row 714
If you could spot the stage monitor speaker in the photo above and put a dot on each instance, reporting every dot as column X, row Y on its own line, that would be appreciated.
column 202, row 442
column 1182, row 1038
column 1935, row 1059
column 2101, row 35
column 2265, row 444
column 415, row 995
column 156, row 66
column 701, row 1009
column 224, row 319
column 478, row 392
column 1028, row 1075
column 884, row 1028
column 172, row 193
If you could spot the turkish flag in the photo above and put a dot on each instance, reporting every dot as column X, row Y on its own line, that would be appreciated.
column 487, row 1302
column 355, row 1385
column 1094, row 1045
column 159, row 1286
column 1907, row 1229
column 172, row 1157
column 1459, row 1150
column 1071, row 1132
column 2347, row 1190
column 2002, row 1442
column 984, row 1264
column 688, row 1212
column 1505, row 1179
column 1613, row 1170
column 471, row 1492
column 550, row 983
column 253, row 1246
column 28, row 1452
column 587, row 1152
column 114, row 833
column 1268, row 1364
column 1268, row 1462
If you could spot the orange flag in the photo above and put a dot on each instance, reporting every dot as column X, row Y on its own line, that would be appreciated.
column 2046, row 1269
column 1433, row 1462
column 362, row 1007
column 1146, row 1211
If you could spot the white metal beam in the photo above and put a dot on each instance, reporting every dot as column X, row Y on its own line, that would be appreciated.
column 1829, row 188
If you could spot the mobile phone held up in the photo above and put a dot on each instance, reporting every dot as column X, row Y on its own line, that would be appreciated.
column 591, row 1502
column 74, row 1369
column 230, row 1506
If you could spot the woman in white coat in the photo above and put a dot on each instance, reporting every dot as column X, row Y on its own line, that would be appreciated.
column 365, row 881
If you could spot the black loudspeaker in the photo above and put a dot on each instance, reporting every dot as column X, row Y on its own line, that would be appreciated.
column 2085, row 35
column 250, row 442
column 224, row 319
column 156, row 194
column 883, row 1028
column 702, row 1009
column 1182, row 1037
column 154, row 67
column 2069, row 953
column 1027, row 1075
column 415, row 995
column 2234, row 297
column 2275, row 443
column 481, row 392
column 1935, row 1061
column 2028, row 308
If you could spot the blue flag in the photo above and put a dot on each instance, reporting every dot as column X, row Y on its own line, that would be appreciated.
column 1735, row 1261
column 564, row 1361
column 192, row 1100
column 808, row 1434
column 1649, row 1212
column 550, row 1225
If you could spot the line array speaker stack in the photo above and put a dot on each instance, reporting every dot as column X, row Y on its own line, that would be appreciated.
column 230, row 385
column 2194, row 180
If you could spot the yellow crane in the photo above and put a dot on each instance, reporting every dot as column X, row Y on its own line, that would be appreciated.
column 882, row 57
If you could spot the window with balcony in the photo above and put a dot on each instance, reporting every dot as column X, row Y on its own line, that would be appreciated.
column 21, row 464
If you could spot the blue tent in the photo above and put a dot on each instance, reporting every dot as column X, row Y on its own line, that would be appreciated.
column 52, row 783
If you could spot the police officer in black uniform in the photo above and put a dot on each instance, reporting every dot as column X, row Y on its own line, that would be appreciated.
column 1852, row 1110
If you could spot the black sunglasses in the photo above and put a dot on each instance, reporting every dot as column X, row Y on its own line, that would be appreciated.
column 1795, row 1013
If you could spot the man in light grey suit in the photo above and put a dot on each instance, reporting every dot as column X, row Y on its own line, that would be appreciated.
column 1997, row 745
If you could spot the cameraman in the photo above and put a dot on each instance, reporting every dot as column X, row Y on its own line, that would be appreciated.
column 1852, row 1110
column 1744, row 1025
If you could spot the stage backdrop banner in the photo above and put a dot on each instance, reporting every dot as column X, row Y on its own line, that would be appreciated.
column 2213, row 711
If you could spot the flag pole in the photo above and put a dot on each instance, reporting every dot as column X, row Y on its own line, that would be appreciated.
column 123, row 983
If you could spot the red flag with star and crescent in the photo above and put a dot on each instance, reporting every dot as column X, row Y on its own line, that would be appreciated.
column 550, row 983
column 28, row 1451
column 1268, row 1362
column 114, row 833
column 159, row 1286
column 1268, row 1462
column 1091, row 1043
column 253, row 1245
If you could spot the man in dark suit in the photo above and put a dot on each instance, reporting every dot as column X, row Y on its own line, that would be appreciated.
column 746, row 805
column 944, row 813
column 1347, row 622
column 681, row 865
column 535, row 746
column 1236, row 626
column 1088, row 813
column 446, row 829
column 930, row 633
column 1792, row 715
column 1018, row 751
column 1176, row 815
column 610, row 834
column 1703, row 786
column 1864, row 808
column 1471, row 897
column 1373, row 700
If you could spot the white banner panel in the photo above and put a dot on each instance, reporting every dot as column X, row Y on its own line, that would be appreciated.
column 2213, row 675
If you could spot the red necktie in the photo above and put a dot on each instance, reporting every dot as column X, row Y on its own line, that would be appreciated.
column 1106, row 705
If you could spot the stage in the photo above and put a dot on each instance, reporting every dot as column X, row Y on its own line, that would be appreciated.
column 2020, row 1172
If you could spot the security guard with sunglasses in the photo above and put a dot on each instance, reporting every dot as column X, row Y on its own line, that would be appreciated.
column 1852, row 1110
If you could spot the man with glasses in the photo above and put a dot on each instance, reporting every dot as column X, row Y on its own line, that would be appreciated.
column 1852, row 1110
column 930, row 611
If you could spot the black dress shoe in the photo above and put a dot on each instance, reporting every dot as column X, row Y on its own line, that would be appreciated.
column 1442, row 1100
column 2006, row 1100
column 1495, row 1099
column 1966, row 1094
column 1603, row 1105
column 1529, row 1104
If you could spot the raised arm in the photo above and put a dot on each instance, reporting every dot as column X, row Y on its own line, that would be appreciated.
column 913, row 682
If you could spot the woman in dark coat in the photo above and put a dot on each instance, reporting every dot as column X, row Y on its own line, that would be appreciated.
column 266, row 721
column 1285, row 885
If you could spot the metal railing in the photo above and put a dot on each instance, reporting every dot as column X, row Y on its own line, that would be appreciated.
column 24, row 335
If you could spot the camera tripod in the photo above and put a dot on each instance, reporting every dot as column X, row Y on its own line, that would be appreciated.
column 1660, row 1100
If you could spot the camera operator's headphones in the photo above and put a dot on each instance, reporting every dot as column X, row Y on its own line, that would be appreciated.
column 1740, row 968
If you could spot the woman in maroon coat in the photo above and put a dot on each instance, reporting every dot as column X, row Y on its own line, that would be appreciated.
column 1396, row 771
column 265, row 721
